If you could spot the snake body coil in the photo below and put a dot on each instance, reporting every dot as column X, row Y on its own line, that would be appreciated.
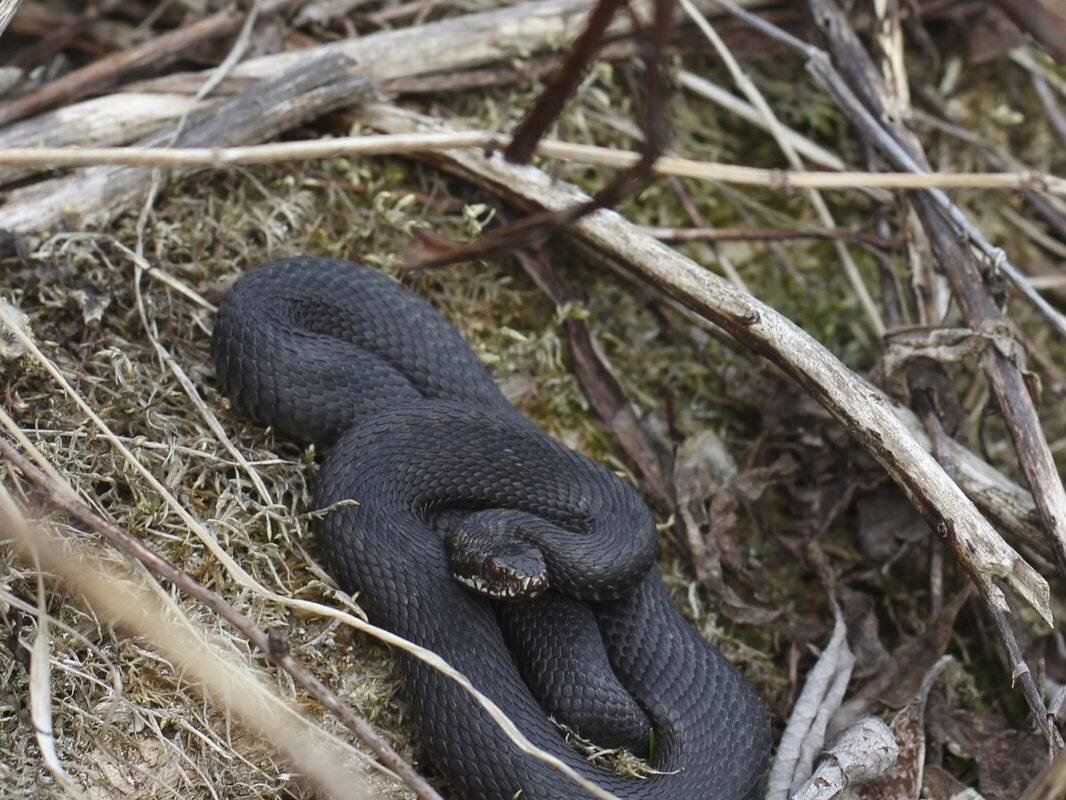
column 334, row 352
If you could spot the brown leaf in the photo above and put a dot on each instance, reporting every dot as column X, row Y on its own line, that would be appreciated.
column 886, row 520
column 903, row 781
column 900, row 677
column 861, row 616
column 1051, row 783
column 1007, row 760
column 939, row 784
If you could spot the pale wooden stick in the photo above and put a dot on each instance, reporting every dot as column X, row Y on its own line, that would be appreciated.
column 7, row 11
column 415, row 143
column 102, row 191
column 93, row 123
column 858, row 406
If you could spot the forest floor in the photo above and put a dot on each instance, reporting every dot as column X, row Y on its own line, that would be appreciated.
column 800, row 504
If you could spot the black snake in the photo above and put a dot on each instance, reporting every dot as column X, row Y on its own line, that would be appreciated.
column 442, row 466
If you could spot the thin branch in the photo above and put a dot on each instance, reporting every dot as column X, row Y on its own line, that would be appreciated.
column 562, row 83
column 1020, row 673
column 413, row 144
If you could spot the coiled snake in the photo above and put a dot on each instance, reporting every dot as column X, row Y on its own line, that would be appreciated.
column 455, row 487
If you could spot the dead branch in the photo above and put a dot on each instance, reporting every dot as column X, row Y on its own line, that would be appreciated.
column 1007, row 503
column 561, row 84
column 864, row 752
column 435, row 49
column 1020, row 673
column 7, row 11
column 1003, row 368
column 37, row 207
column 110, row 70
column 860, row 408
column 258, row 113
column 149, row 154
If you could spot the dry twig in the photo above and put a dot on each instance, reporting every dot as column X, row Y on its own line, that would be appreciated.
column 101, row 191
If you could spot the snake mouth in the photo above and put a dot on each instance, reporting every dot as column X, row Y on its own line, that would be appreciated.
column 504, row 584
column 490, row 554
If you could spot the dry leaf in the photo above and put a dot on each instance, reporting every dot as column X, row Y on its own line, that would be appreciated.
column 903, row 781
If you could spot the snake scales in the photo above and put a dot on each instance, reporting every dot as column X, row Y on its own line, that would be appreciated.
column 336, row 353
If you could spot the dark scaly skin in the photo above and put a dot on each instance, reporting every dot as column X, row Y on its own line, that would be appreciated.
column 334, row 352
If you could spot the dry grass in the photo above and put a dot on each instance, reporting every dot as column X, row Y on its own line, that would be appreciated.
column 157, row 738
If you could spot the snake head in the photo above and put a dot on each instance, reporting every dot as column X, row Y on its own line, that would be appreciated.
column 495, row 564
